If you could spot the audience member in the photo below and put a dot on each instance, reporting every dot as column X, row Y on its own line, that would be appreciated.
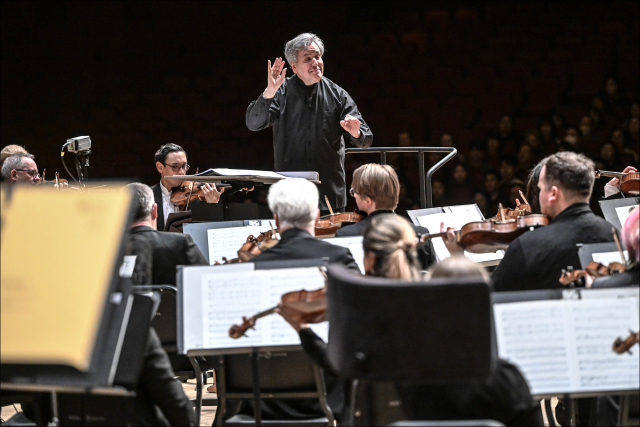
column 492, row 189
column 439, row 193
column 476, row 165
column 507, row 134
column 481, row 198
column 525, row 161
column 494, row 151
column 460, row 187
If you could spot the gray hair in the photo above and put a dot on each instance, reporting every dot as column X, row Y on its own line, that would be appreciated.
column 142, row 201
column 14, row 162
column 300, row 42
column 295, row 201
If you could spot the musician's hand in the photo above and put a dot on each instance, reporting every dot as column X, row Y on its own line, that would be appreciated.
column 275, row 77
column 615, row 182
column 450, row 240
column 351, row 125
column 297, row 326
column 211, row 193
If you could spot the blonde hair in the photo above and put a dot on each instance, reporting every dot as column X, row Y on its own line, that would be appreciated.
column 393, row 242
column 10, row 150
column 458, row 266
column 378, row 182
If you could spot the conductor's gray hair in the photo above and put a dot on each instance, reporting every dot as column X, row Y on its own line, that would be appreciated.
column 299, row 43
column 295, row 201
column 14, row 162
column 142, row 201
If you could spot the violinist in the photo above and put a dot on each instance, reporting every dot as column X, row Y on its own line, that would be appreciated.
column 376, row 189
column 10, row 150
column 631, row 274
column 20, row 168
column 612, row 188
column 536, row 259
column 294, row 203
column 171, row 159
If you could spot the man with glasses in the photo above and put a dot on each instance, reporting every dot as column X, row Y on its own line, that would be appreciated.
column 171, row 159
column 20, row 168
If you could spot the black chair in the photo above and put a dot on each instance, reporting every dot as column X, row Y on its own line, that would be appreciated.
column 416, row 332
column 258, row 376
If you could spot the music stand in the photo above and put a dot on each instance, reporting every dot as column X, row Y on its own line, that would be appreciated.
column 610, row 208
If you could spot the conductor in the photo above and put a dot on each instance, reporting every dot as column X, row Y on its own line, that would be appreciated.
column 311, row 118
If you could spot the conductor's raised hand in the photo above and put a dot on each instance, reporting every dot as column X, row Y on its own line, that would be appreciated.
column 351, row 125
column 275, row 77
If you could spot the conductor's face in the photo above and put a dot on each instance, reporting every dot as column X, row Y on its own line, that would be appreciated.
column 309, row 67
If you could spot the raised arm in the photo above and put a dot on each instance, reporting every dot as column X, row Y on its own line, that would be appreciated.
column 353, row 125
column 264, row 111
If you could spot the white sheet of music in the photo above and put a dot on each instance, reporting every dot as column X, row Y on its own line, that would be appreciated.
column 354, row 244
column 564, row 346
column 455, row 217
column 225, row 242
column 623, row 212
column 606, row 258
column 228, row 296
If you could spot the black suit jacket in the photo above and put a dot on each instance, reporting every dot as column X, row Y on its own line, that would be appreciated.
column 299, row 244
column 157, row 197
column 168, row 250
column 160, row 399
column 426, row 253
column 535, row 260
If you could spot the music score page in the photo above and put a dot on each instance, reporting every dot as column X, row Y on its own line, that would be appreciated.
column 564, row 346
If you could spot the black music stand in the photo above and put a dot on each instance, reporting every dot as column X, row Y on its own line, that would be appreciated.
column 392, row 330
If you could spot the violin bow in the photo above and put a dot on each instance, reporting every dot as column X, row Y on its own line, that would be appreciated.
column 523, row 198
column 326, row 199
column 44, row 171
column 615, row 239
column 190, row 192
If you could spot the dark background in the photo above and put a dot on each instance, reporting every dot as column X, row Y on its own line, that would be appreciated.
column 136, row 75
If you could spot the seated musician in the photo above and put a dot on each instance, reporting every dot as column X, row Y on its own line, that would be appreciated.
column 612, row 189
column 294, row 203
column 10, row 150
column 168, row 250
column 20, row 168
column 171, row 159
column 376, row 189
column 389, row 251
column 535, row 260
column 630, row 239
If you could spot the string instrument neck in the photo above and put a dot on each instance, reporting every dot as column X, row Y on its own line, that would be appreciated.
column 609, row 174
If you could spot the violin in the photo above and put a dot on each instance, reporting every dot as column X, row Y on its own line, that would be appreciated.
column 58, row 183
column 328, row 225
column 573, row 278
column 184, row 195
column 621, row 346
column 492, row 235
column 300, row 306
column 629, row 182
column 256, row 245
column 521, row 209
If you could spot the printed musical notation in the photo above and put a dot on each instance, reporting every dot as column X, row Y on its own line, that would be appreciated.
column 227, row 297
column 564, row 346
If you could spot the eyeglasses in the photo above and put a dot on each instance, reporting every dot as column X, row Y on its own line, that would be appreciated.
column 32, row 173
column 352, row 192
column 176, row 168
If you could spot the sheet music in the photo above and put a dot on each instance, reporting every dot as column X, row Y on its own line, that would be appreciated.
column 240, row 172
column 225, row 242
column 227, row 297
column 354, row 244
column 623, row 212
column 564, row 346
column 453, row 216
column 606, row 258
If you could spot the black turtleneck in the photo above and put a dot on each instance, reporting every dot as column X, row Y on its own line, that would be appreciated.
column 307, row 135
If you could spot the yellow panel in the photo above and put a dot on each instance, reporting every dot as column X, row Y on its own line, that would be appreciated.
column 58, row 251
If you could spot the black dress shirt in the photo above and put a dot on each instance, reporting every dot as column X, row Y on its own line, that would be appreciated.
column 296, row 243
column 535, row 260
column 307, row 135
column 426, row 253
